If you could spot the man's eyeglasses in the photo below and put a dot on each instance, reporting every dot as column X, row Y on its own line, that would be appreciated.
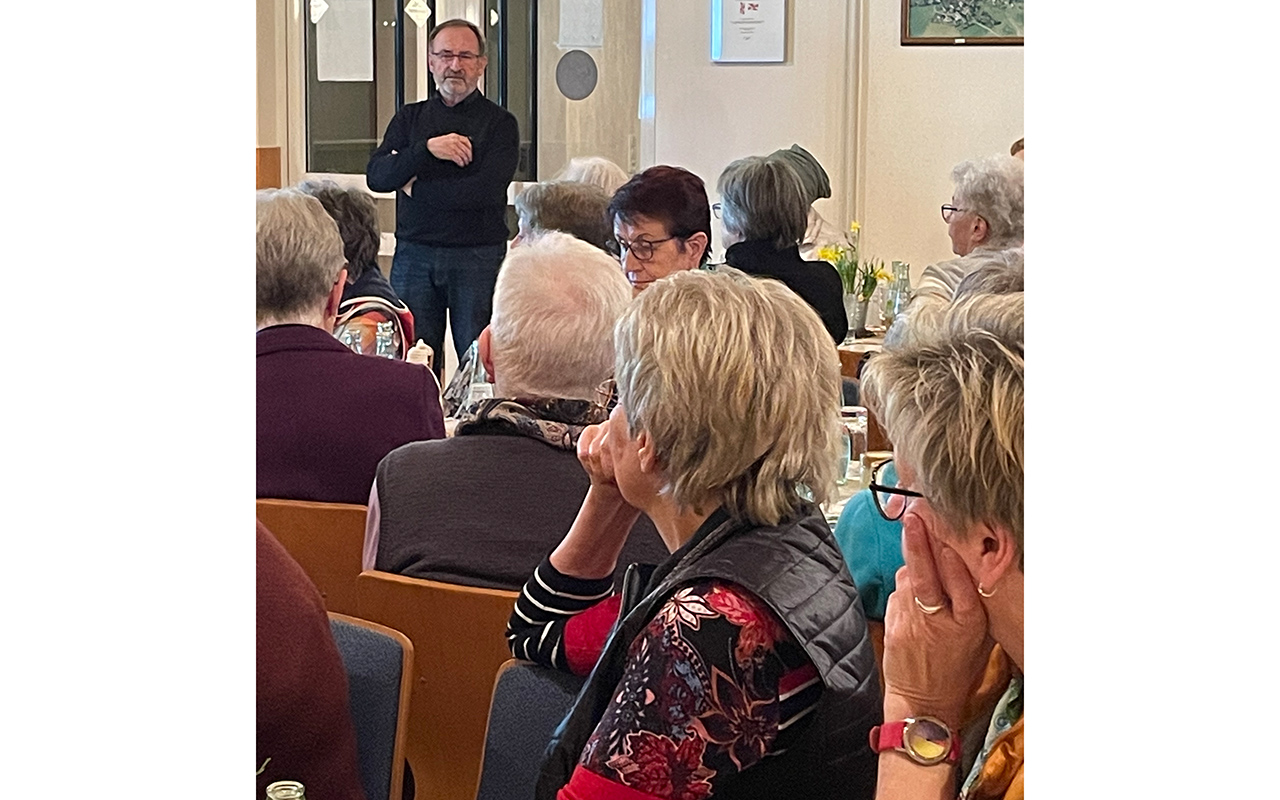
column 883, row 493
column 446, row 57
column 640, row 249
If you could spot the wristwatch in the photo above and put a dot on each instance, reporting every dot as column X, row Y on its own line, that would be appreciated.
column 925, row 740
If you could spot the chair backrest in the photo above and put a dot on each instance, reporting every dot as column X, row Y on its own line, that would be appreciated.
column 457, row 633
column 327, row 539
column 379, row 664
column 529, row 701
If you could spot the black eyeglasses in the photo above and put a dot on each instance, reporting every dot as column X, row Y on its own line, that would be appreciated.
column 882, row 494
column 641, row 249
column 715, row 209
column 949, row 210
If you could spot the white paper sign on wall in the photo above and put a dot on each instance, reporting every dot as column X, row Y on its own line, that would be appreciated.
column 753, row 31
column 344, row 42
column 418, row 11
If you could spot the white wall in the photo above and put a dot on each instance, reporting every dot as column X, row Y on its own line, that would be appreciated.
column 920, row 111
column 707, row 114
column 925, row 110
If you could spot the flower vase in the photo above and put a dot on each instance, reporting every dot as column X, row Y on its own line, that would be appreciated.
column 856, row 309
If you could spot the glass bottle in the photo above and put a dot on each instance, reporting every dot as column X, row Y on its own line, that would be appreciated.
column 351, row 338
column 385, row 340
column 285, row 790
column 901, row 286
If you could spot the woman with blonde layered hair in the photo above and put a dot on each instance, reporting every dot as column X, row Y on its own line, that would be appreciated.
column 951, row 400
column 749, row 640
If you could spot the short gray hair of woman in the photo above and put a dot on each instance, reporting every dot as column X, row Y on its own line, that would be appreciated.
column 555, row 304
column 763, row 199
column 570, row 206
column 299, row 256
column 357, row 218
column 992, row 188
column 951, row 401
column 738, row 386
column 594, row 170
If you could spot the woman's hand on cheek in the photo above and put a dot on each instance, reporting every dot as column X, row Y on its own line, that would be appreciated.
column 932, row 660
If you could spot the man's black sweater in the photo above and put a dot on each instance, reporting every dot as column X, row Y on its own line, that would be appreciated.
column 448, row 205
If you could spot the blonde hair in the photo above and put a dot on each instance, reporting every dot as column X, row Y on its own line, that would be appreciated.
column 737, row 383
column 299, row 256
column 951, row 400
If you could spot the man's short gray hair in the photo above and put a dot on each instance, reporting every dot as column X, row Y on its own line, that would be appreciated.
column 554, row 308
column 299, row 256
column 992, row 188
column 951, row 401
column 763, row 200
column 738, row 386
column 595, row 170
column 570, row 206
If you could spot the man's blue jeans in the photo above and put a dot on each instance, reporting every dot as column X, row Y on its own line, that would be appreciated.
column 432, row 279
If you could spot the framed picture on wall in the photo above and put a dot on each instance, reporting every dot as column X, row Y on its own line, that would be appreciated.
column 962, row 21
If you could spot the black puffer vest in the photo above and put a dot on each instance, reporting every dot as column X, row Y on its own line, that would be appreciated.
column 799, row 571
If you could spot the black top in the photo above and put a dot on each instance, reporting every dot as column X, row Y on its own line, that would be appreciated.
column 817, row 282
column 449, row 205
column 797, row 570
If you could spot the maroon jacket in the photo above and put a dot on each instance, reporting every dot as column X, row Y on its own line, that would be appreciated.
column 327, row 416
column 304, row 720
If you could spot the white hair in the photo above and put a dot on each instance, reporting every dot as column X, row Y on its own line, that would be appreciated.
column 299, row 257
column 554, row 308
column 992, row 188
column 595, row 170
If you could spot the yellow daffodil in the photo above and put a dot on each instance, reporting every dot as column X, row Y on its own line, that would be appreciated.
column 854, row 227
column 883, row 275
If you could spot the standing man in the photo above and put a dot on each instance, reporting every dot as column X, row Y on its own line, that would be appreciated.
column 449, row 160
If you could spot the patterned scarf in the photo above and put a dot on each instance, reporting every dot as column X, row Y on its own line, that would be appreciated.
column 554, row 421
column 997, row 772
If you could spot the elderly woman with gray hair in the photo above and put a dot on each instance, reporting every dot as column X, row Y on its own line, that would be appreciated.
column 813, row 178
column 367, row 298
column 574, row 207
column 952, row 402
column 763, row 210
column 741, row 666
column 984, row 222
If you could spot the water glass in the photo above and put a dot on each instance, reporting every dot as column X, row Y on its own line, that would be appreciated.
column 854, row 421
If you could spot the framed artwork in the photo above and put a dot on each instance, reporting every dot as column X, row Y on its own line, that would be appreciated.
column 962, row 21
column 750, row 31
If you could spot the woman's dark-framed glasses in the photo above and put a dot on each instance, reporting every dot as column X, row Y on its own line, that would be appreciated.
column 641, row 249
column 882, row 493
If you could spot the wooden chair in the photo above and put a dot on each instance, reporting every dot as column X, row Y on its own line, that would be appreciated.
column 327, row 539
column 379, row 664
column 457, row 634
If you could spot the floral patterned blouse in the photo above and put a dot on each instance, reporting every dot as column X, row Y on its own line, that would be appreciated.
column 713, row 684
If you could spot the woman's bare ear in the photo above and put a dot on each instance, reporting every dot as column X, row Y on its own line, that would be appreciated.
column 648, row 458
column 999, row 555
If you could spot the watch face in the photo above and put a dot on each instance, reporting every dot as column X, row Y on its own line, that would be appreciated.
column 927, row 740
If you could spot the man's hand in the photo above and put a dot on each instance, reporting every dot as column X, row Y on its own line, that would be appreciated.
column 451, row 147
